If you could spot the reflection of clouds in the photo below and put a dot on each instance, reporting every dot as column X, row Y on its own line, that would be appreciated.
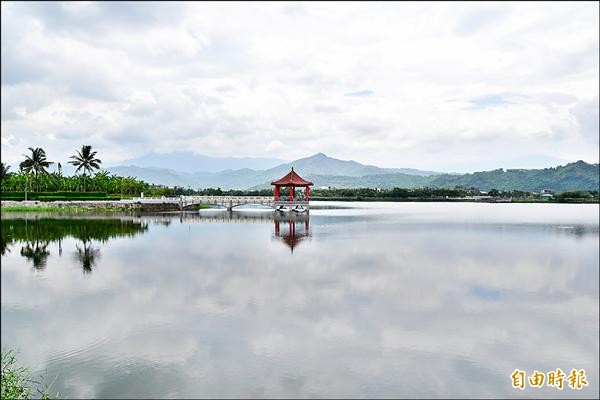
column 200, row 309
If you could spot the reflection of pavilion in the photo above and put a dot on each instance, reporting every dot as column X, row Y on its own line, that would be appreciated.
column 291, row 228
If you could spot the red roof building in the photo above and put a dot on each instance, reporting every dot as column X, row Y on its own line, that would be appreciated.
column 291, row 180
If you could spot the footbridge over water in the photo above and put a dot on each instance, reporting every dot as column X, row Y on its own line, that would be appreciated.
column 292, row 201
column 228, row 202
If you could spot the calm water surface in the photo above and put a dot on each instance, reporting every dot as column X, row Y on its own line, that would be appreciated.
column 370, row 300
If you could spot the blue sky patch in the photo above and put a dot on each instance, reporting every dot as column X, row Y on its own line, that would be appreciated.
column 360, row 93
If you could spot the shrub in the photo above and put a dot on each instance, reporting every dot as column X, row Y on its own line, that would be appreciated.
column 72, row 198
column 54, row 196
column 16, row 381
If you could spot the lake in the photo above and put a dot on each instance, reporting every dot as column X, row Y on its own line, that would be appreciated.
column 354, row 300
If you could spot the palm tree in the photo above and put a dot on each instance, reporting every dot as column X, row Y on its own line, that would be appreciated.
column 60, row 180
column 4, row 171
column 86, row 160
column 36, row 162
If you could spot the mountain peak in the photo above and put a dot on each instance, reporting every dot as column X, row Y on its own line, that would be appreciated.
column 319, row 155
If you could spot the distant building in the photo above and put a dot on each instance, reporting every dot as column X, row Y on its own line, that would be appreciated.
column 546, row 194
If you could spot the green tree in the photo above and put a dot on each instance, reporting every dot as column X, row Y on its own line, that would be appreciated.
column 60, row 176
column 4, row 171
column 101, row 182
column 85, row 160
column 573, row 195
column 37, row 163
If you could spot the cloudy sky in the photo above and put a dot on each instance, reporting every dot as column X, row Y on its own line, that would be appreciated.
column 435, row 86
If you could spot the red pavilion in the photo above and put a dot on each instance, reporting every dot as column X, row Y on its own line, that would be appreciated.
column 292, row 180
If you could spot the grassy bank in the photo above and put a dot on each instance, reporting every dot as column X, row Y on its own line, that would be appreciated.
column 65, row 209
column 18, row 382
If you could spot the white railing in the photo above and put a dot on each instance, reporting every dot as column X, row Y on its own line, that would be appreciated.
column 227, row 201
column 287, row 198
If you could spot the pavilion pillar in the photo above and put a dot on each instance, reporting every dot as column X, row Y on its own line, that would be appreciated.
column 307, row 193
column 276, row 193
column 291, row 193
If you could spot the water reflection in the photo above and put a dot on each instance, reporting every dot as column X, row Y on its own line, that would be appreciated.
column 36, row 252
column 411, row 300
column 37, row 234
column 87, row 256
column 289, row 228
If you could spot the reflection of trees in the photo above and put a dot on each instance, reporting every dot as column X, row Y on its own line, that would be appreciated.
column 5, row 244
column 36, row 252
column 52, row 230
column 37, row 233
column 165, row 222
column 87, row 256
column 579, row 231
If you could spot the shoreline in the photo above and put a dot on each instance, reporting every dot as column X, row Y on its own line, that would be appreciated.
column 453, row 200
column 137, row 206
column 85, row 206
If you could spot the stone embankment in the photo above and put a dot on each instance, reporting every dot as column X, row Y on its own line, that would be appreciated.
column 125, row 205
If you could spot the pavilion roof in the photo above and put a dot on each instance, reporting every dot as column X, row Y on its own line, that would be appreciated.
column 291, row 179
column 291, row 241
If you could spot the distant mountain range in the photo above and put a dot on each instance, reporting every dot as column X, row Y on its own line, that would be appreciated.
column 245, row 178
column 191, row 162
column 328, row 171
column 574, row 176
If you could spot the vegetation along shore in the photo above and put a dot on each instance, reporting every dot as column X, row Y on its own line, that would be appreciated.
column 33, row 188
column 17, row 382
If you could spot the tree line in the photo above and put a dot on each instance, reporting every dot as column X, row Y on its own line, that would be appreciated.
column 383, row 194
column 33, row 174
column 438, row 193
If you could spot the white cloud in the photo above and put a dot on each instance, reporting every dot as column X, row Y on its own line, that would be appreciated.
column 386, row 84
